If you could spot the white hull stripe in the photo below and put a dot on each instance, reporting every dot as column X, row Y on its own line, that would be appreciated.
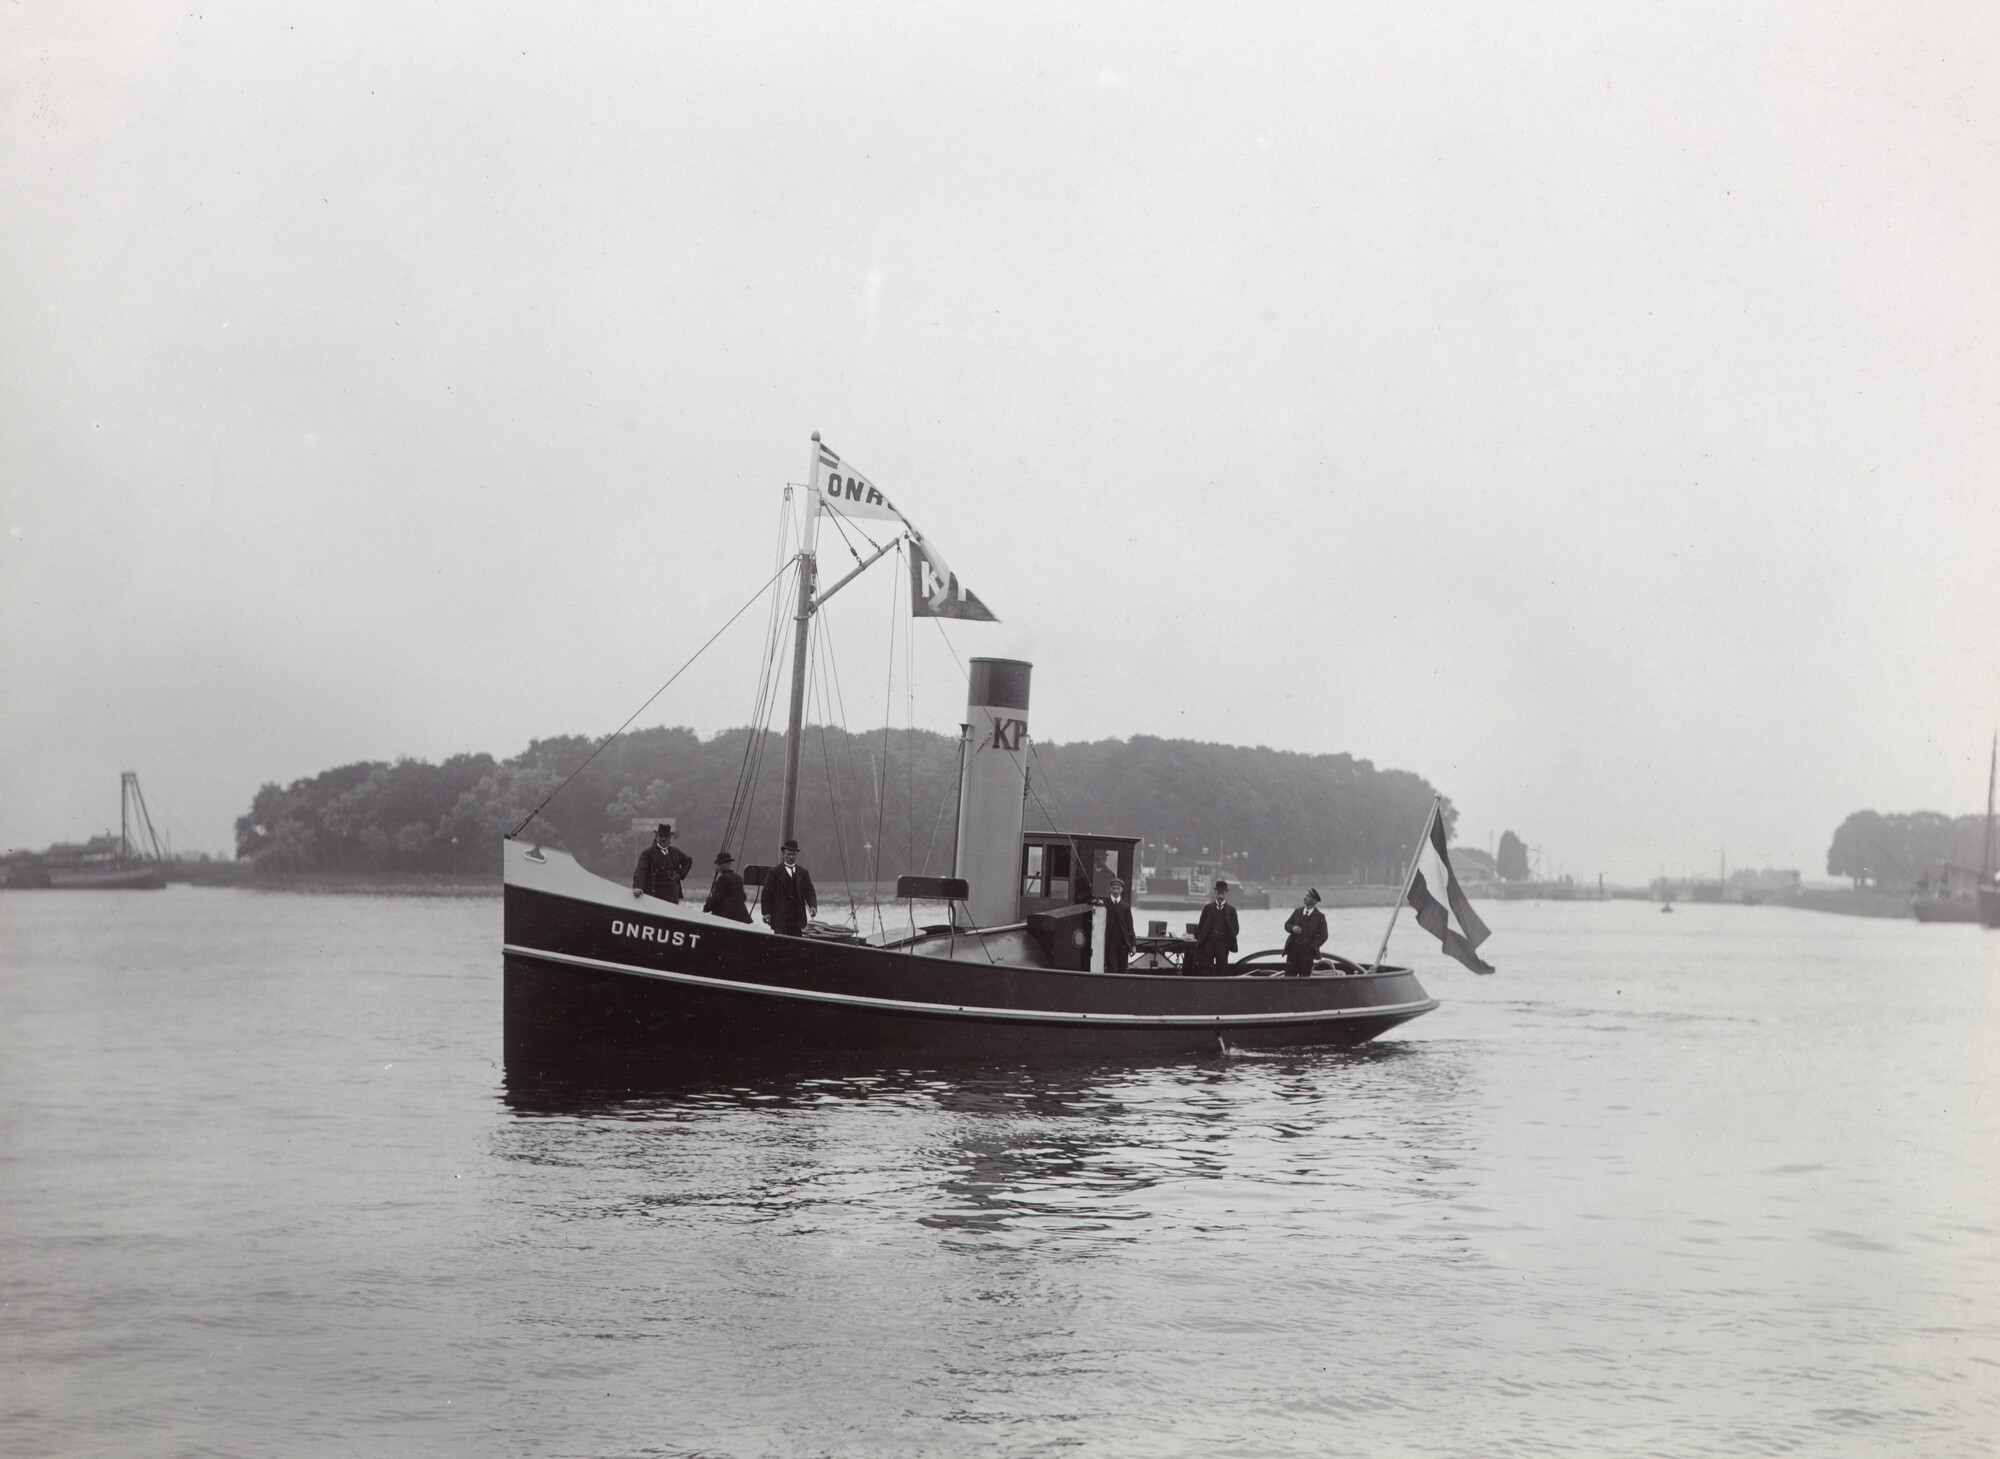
column 1032, row 1015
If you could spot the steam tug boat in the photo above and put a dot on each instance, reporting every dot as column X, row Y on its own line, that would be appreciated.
column 594, row 973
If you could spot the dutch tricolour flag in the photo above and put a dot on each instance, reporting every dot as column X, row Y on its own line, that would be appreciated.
column 1442, row 908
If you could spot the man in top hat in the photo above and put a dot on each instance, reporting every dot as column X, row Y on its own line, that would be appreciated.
column 725, row 893
column 1305, row 935
column 661, row 868
column 789, row 900
column 1118, row 934
column 1215, row 935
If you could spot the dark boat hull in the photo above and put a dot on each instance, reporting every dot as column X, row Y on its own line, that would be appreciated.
column 1945, row 909
column 144, row 878
column 595, row 975
column 554, row 1009
column 110, row 879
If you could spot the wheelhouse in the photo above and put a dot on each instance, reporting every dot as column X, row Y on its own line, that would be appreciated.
column 1061, row 869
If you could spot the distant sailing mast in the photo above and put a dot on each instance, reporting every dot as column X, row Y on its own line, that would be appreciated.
column 1988, row 891
column 133, row 816
column 1986, row 857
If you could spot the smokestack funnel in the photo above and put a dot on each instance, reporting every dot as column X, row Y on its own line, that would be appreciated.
column 996, row 778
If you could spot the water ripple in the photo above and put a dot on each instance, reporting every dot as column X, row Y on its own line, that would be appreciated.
column 267, row 1189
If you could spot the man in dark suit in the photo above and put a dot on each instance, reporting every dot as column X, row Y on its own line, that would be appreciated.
column 789, row 899
column 661, row 868
column 725, row 894
column 1215, row 936
column 1305, row 935
column 1118, row 934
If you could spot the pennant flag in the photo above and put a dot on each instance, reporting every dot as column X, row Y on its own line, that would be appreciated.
column 1440, row 901
column 846, row 492
column 935, row 591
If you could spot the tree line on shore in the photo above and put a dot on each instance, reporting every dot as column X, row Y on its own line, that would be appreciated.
column 871, row 806
column 1906, row 849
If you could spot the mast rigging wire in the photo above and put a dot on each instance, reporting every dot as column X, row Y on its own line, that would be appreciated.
column 1075, row 851
column 649, row 699
column 881, row 778
column 833, row 806
column 832, row 703
column 909, row 736
column 743, row 800
column 840, row 525
column 930, row 846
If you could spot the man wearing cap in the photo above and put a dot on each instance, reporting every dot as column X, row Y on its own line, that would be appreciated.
column 725, row 893
column 1305, row 935
column 1118, row 934
column 789, row 899
column 661, row 867
column 1215, row 935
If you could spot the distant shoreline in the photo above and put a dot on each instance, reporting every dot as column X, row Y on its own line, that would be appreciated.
column 1848, row 902
column 245, row 876
column 1840, row 901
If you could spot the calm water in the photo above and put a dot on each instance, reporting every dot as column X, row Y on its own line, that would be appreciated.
column 1725, row 1182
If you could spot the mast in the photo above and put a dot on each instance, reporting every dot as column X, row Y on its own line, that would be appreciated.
column 958, row 796
column 1986, row 852
column 133, row 817
column 808, row 576
column 1408, row 877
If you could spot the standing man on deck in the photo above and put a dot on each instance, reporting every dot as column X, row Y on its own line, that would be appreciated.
column 661, row 868
column 1305, row 935
column 725, row 894
column 1118, row 934
column 789, row 899
column 1215, row 936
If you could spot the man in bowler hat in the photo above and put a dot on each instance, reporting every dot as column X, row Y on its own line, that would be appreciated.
column 662, row 866
column 1215, row 935
column 1305, row 935
column 789, row 899
column 725, row 893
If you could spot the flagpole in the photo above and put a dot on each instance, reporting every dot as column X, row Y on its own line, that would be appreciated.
column 808, row 570
column 1408, row 877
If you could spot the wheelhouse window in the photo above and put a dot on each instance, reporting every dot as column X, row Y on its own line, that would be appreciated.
column 1033, row 871
column 1045, row 872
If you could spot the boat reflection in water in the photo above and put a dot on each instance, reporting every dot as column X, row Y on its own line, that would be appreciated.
column 1013, row 1221
column 1079, row 1143
column 577, row 1051
column 544, row 1080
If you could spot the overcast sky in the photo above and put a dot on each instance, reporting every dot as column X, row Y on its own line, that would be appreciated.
column 1595, row 409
